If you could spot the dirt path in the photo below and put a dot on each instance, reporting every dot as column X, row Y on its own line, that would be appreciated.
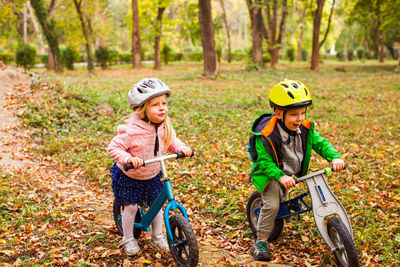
column 84, row 198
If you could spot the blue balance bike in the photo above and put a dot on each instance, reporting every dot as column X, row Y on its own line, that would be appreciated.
column 329, row 215
column 181, row 238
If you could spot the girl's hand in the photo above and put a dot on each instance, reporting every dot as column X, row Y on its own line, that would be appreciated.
column 337, row 165
column 187, row 151
column 136, row 162
column 287, row 181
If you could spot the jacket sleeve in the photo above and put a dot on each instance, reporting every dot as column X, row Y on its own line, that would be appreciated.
column 119, row 145
column 176, row 145
column 266, row 163
column 323, row 147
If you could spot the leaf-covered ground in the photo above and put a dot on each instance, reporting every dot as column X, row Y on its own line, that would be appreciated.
column 58, row 210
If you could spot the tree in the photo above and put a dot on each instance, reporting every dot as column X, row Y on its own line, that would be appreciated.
column 207, row 39
column 257, row 30
column 316, row 45
column 228, row 30
column 275, row 37
column 159, row 30
column 87, row 31
column 136, row 43
column 49, row 30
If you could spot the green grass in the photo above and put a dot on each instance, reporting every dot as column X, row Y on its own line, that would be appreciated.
column 356, row 110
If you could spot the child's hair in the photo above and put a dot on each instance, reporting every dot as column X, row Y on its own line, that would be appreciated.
column 139, row 111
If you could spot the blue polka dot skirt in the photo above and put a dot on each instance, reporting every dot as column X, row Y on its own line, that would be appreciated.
column 131, row 191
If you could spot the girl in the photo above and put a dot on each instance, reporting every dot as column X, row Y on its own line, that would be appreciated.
column 148, row 133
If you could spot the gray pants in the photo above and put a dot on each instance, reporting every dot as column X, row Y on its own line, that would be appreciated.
column 269, row 210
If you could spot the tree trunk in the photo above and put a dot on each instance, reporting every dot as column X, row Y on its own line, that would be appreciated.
column 315, row 41
column 381, row 46
column 228, row 30
column 346, row 41
column 159, row 30
column 207, row 39
column 136, row 43
column 51, row 36
column 85, row 24
column 257, row 26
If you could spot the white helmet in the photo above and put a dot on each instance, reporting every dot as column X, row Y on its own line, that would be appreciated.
column 146, row 89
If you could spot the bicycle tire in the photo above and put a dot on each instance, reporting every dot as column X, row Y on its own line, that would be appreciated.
column 345, row 250
column 252, row 217
column 185, row 250
column 117, row 213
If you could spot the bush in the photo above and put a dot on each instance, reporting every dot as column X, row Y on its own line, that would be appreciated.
column 102, row 55
column 195, row 56
column 304, row 54
column 361, row 52
column 238, row 55
column 176, row 56
column 350, row 54
column 113, row 56
column 6, row 58
column 125, row 57
column 219, row 52
column 26, row 56
column 290, row 53
column 165, row 53
column 69, row 55
column 266, row 57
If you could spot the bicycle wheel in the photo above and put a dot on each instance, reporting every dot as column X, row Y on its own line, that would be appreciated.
column 117, row 212
column 253, row 209
column 184, row 250
column 345, row 251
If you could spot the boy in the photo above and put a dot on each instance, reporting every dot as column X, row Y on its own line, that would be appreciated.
column 283, row 143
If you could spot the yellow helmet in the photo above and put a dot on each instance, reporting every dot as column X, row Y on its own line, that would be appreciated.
column 289, row 94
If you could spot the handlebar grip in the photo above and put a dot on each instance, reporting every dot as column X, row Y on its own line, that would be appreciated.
column 180, row 155
column 128, row 166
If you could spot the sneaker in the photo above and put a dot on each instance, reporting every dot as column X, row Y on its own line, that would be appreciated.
column 131, row 246
column 159, row 241
column 261, row 251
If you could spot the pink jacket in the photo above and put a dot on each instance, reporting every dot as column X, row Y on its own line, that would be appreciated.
column 137, row 138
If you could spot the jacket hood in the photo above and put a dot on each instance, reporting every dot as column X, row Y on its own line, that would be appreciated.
column 260, row 123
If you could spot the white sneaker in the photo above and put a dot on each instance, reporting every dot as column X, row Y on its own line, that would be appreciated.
column 131, row 246
column 159, row 241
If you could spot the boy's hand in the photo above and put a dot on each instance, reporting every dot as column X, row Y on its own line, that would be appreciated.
column 337, row 165
column 287, row 181
column 136, row 162
column 187, row 151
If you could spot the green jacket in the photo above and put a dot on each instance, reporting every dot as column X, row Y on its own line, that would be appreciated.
column 266, row 168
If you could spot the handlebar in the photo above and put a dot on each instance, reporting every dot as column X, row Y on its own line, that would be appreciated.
column 128, row 166
column 327, row 171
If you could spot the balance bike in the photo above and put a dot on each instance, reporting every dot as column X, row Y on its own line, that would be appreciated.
column 329, row 215
column 181, row 238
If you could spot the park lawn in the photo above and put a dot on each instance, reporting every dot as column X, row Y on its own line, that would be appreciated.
column 355, row 106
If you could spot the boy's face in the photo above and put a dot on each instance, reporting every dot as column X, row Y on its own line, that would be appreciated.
column 293, row 118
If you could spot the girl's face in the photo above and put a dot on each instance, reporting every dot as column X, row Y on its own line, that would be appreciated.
column 156, row 109
column 293, row 118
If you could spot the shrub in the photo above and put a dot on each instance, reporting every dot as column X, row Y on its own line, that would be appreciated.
column 102, row 55
column 350, row 54
column 166, row 52
column 125, row 57
column 195, row 56
column 219, row 52
column 290, row 53
column 26, row 56
column 266, row 57
column 69, row 55
column 6, row 58
column 361, row 52
column 304, row 54
column 113, row 56
column 238, row 54
column 176, row 56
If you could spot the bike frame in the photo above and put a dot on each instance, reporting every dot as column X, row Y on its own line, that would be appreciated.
column 165, row 195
